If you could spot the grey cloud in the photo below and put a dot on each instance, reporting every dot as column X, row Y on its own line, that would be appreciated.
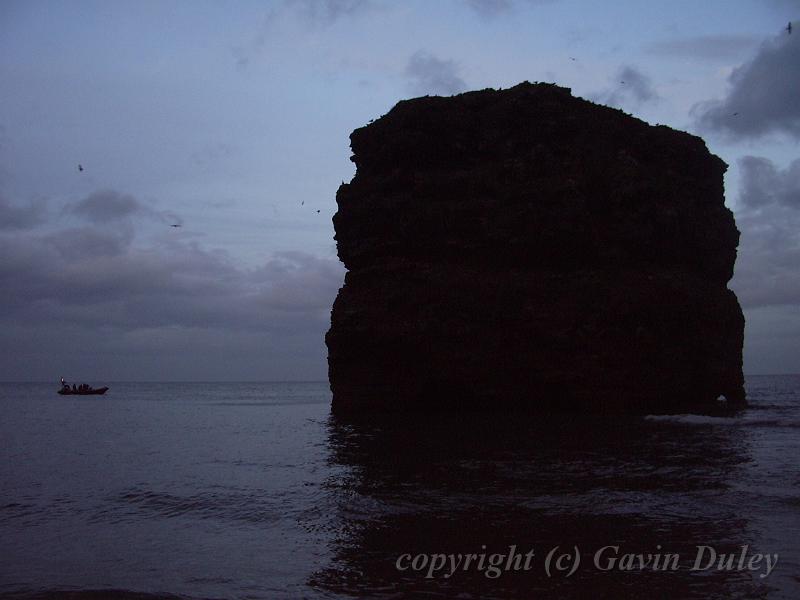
column 20, row 217
column 79, row 300
column 707, row 46
column 104, row 281
column 490, row 8
column 764, row 96
column 244, row 53
column 210, row 156
column 171, row 353
column 630, row 87
column 766, row 269
column 313, row 13
column 105, row 206
column 168, row 217
column 326, row 12
column 110, row 206
column 493, row 8
column 781, row 5
column 431, row 75
column 85, row 242
column 763, row 183
column 295, row 281
column 769, row 252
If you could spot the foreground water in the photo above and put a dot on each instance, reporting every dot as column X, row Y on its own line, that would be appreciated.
column 255, row 491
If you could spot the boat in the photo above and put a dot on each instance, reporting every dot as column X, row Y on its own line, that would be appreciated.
column 81, row 390
column 87, row 392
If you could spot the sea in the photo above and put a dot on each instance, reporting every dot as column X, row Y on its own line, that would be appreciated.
column 254, row 490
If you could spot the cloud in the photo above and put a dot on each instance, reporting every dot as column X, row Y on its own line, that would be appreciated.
column 781, row 5
column 102, row 279
column 431, row 75
column 493, row 8
column 310, row 13
column 327, row 12
column 106, row 295
column 763, row 97
column 105, row 206
column 20, row 217
column 763, row 184
column 210, row 156
column 769, row 219
column 87, row 242
column 299, row 282
column 630, row 87
column 706, row 46
column 490, row 8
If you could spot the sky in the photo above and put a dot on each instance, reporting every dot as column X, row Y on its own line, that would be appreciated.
column 168, row 169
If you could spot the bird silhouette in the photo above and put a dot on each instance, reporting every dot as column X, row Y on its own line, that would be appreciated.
column 175, row 225
column 789, row 28
column 80, row 168
column 317, row 210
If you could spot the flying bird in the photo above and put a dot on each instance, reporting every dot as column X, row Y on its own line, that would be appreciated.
column 80, row 168
column 789, row 28
column 317, row 210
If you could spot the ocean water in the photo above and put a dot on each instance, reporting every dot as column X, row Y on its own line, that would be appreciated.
column 254, row 490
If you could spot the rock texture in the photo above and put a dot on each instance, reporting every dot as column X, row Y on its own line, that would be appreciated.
column 524, row 248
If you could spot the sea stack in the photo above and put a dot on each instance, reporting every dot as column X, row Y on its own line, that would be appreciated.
column 525, row 249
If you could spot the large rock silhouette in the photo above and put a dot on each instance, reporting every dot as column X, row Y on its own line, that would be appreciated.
column 526, row 249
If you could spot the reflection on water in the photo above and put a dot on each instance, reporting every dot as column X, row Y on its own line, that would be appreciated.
column 472, row 484
column 252, row 491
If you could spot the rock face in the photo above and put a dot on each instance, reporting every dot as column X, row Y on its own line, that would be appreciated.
column 527, row 249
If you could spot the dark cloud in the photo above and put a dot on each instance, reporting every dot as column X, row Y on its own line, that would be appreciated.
column 105, row 206
column 707, row 46
column 769, row 219
column 100, row 293
column 299, row 282
column 312, row 13
column 493, row 8
column 490, row 8
column 20, row 217
column 244, row 53
column 209, row 157
column 764, row 95
column 781, row 5
column 428, row 74
column 81, row 243
column 326, row 12
column 103, row 279
column 764, row 184
column 630, row 87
